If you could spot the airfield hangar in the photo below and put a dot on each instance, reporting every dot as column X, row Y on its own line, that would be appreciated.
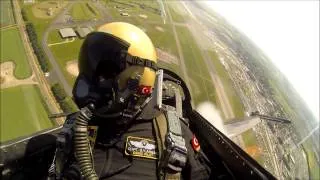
column 67, row 33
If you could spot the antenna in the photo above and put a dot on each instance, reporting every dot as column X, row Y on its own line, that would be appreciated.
column 270, row 118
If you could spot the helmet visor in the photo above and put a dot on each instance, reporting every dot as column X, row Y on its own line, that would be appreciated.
column 100, row 55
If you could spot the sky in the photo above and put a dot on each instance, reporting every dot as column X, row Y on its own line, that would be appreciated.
column 288, row 33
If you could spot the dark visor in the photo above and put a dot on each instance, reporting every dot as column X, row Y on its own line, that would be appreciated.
column 108, row 55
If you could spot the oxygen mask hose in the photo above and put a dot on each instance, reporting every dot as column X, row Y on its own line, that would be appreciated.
column 82, row 147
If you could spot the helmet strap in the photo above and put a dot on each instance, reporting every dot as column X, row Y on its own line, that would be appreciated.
column 126, row 58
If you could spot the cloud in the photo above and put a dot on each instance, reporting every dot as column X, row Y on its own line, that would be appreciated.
column 211, row 113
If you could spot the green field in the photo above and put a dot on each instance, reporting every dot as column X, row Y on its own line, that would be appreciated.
column 250, row 141
column 12, row 50
column 177, row 12
column 176, row 17
column 314, row 167
column 163, row 40
column 6, row 13
column 84, row 11
column 172, row 67
column 40, row 25
column 22, row 112
column 41, row 9
column 134, row 9
column 249, row 138
column 115, row 14
column 62, row 56
column 54, row 37
column 199, row 77
column 234, row 99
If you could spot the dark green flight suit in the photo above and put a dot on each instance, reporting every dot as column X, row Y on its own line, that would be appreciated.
column 111, row 162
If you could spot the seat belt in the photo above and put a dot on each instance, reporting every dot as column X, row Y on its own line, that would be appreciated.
column 172, row 151
column 171, row 145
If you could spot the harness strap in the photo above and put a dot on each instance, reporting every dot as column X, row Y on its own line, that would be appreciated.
column 160, row 126
column 171, row 145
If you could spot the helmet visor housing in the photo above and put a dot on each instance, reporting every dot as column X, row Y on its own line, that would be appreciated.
column 106, row 63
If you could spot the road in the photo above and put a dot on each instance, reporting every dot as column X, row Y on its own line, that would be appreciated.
column 271, row 150
column 55, row 67
column 197, row 29
column 171, row 23
column 43, row 85
column 200, row 38
column 182, row 64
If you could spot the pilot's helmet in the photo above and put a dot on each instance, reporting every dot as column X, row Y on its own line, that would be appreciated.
column 121, row 57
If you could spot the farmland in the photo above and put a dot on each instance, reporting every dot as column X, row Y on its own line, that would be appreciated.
column 12, row 50
column 6, row 15
column 22, row 112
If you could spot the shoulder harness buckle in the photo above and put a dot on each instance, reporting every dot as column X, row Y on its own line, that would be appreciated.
column 175, row 153
column 171, row 144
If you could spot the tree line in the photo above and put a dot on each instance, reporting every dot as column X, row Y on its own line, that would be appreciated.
column 36, row 48
column 35, row 44
column 65, row 102
column 24, row 15
column 14, row 14
column 91, row 9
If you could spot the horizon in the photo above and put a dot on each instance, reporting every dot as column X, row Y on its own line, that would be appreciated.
column 253, row 18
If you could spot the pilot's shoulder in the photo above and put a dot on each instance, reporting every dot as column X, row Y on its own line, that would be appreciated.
column 190, row 138
column 70, row 119
column 199, row 167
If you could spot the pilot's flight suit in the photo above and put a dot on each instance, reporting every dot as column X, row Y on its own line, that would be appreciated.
column 111, row 161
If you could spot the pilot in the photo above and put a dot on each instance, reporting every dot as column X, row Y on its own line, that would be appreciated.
column 113, row 136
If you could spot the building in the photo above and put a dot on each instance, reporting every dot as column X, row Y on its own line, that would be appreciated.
column 50, row 12
column 83, row 31
column 67, row 33
column 124, row 14
column 143, row 16
column 29, row 1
